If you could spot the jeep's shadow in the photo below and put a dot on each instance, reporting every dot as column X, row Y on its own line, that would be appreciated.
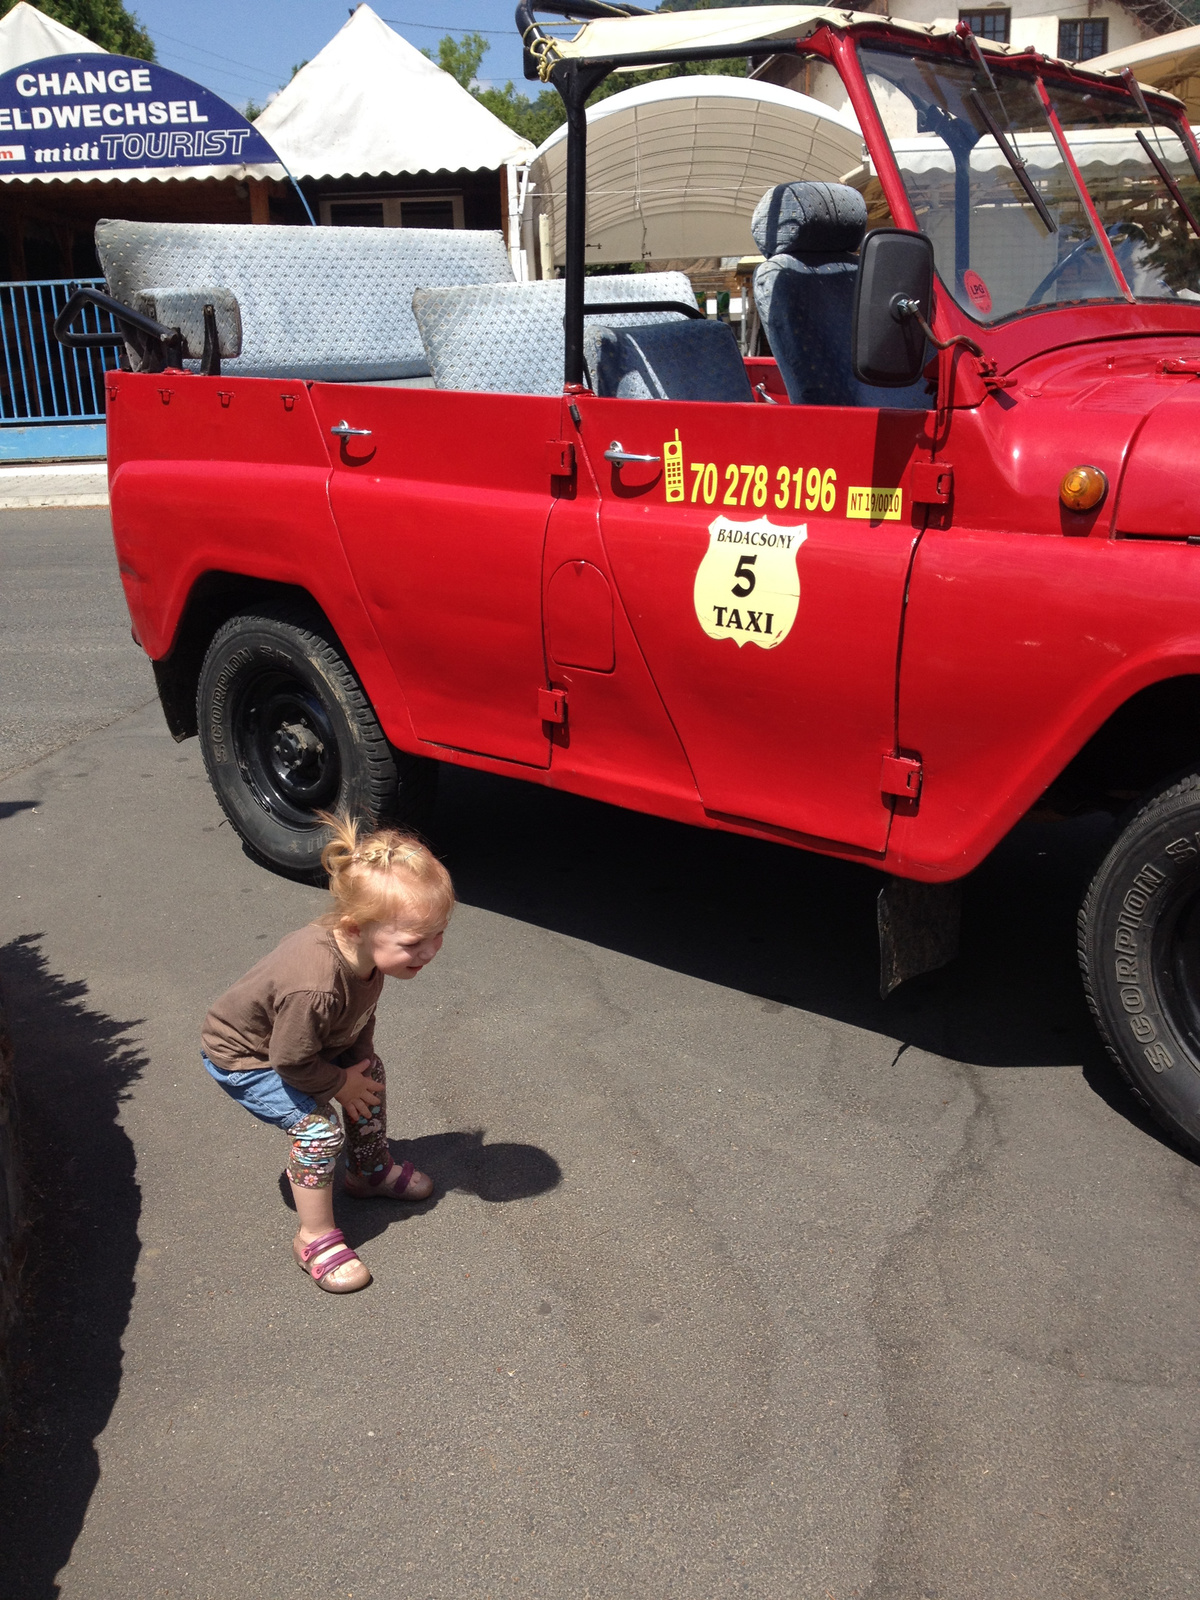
column 72, row 1068
column 792, row 927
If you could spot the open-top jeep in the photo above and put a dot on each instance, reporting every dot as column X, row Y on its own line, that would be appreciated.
column 929, row 564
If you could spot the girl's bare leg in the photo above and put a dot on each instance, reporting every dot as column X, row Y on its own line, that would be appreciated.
column 314, row 1207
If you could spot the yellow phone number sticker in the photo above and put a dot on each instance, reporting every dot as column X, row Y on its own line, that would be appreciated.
column 788, row 487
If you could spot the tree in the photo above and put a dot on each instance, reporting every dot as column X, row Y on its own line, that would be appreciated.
column 461, row 57
column 105, row 22
column 537, row 119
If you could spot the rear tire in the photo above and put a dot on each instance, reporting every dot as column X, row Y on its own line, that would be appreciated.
column 287, row 731
column 1139, row 947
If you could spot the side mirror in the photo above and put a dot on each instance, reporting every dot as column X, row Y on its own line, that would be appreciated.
column 893, row 301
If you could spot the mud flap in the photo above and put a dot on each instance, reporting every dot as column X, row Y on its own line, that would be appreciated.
column 918, row 929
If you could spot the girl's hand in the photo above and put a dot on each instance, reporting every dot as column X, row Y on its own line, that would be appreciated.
column 360, row 1095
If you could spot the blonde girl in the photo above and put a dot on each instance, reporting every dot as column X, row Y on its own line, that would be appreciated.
column 297, row 1033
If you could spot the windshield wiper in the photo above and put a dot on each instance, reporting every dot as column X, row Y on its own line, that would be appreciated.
column 1013, row 159
column 1156, row 161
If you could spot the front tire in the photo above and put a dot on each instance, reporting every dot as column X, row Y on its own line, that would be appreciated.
column 1139, row 947
column 287, row 731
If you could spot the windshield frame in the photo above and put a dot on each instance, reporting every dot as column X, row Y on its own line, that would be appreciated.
column 1036, row 71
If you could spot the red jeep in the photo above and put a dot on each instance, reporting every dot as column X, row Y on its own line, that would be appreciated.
column 925, row 567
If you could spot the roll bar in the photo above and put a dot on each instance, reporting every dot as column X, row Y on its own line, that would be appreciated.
column 575, row 79
column 157, row 347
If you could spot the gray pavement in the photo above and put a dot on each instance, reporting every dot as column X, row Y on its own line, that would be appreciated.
column 67, row 663
column 737, row 1282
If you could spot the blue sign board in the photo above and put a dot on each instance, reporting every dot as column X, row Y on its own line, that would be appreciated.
column 100, row 113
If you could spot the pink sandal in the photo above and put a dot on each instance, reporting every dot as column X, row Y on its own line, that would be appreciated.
column 409, row 1184
column 319, row 1271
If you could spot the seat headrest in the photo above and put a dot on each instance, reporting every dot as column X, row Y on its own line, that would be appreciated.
column 801, row 218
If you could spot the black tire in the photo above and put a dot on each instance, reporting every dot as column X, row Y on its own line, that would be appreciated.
column 1139, row 947
column 287, row 731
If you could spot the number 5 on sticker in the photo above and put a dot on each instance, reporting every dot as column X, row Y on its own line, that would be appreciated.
column 673, row 468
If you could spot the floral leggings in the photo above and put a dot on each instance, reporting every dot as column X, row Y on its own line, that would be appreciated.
column 318, row 1140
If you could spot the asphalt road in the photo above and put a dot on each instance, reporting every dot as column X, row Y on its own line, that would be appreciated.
column 738, row 1282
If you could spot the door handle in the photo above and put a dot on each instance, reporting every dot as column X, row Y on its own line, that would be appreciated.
column 343, row 430
column 618, row 455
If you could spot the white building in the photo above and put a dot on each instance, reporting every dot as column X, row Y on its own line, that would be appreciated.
column 1075, row 30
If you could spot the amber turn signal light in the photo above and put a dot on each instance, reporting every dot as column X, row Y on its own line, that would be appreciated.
column 1083, row 488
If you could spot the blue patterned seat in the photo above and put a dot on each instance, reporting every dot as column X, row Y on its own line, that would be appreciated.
column 810, row 234
column 324, row 303
column 507, row 338
column 684, row 360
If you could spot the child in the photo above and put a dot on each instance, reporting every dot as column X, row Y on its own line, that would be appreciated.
column 297, row 1032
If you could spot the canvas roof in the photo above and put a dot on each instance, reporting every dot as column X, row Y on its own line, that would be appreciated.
column 675, row 168
column 27, row 34
column 371, row 104
column 682, row 30
column 726, row 26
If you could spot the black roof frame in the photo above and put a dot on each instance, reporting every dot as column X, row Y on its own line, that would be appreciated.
column 575, row 79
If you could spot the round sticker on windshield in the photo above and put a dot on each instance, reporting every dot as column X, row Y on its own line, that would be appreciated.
column 977, row 292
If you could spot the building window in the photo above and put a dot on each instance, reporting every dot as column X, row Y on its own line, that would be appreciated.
column 1080, row 41
column 426, row 213
column 393, row 211
column 356, row 213
column 991, row 24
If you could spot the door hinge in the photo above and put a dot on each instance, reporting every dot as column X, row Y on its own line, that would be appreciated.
column 932, row 483
column 552, row 705
column 560, row 458
column 901, row 777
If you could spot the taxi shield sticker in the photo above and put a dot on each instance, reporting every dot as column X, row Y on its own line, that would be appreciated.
column 747, row 586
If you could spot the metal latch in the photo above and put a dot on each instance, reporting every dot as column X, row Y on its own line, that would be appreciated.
column 552, row 705
column 932, row 483
column 560, row 458
column 901, row 777
column 1180, row 366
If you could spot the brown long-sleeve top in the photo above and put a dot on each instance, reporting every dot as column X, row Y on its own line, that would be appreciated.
column 299, row 1010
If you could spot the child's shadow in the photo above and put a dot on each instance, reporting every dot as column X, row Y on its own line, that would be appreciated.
column 494, row 1172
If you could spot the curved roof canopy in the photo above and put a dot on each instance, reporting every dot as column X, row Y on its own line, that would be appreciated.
column 675, row 168
column 370, row 104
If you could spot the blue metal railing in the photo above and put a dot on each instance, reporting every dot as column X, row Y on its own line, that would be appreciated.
column 40, row 379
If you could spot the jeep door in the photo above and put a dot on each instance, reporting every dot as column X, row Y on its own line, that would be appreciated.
column 442, row 499
column 762, row 558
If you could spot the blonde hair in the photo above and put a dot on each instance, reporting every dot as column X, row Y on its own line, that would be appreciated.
column 384, row 876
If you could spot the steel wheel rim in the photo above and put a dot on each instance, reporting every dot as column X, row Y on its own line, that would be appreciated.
column 286, row 748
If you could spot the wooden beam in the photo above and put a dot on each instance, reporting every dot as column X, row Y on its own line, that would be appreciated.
column 260, row 200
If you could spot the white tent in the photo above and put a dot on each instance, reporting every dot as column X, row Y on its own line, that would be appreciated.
column 371, row 104
column 27, row 34
column 676, row 168
column 1171, row 62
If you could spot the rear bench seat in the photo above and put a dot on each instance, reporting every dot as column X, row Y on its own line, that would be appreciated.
column 325, row 303
column 507, row 338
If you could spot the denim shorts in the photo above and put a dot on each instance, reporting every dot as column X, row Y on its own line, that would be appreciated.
column 264, row 1094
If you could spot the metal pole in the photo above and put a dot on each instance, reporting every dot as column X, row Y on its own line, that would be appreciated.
column 574, row 84
column 576, row 228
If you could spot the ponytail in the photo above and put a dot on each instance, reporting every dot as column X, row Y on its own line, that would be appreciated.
column 383, row 876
